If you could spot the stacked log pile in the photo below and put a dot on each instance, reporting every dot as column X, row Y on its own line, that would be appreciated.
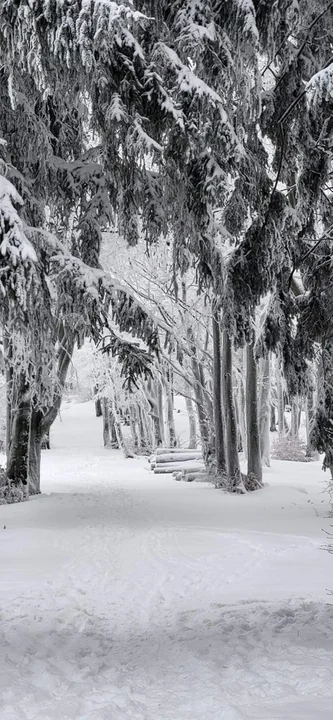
column 185, row 465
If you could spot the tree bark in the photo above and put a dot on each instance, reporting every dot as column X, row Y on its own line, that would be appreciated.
column 309, row 414
column 18, row 457
column 179, row 456
column 241, row 416
column 41, row 420
column 145, row 429
column 280, row 395
column 159, row 396
column 217, row 397
column 200, row 397
column 106, row 423
column 7, row 345
column 154, row 413
column 232, row 460
column 113, row 434
column 135, row 429
column 265, row 410
column 254, row 468
column 192, row 423
column 164, row 469
column 98, row 408
column 35, row 448
column 272, row 419
column 295, row 419
column 171, row 417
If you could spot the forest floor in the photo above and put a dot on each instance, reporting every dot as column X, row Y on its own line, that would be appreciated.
column 128, row 596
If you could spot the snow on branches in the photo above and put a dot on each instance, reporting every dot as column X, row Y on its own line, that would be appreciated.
column 17, row 254
column 320, row 88
column 14, row 245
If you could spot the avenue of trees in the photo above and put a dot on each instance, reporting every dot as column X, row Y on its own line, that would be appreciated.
column 199, row 134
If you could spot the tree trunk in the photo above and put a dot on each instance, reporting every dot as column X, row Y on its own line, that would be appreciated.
column 265, row 410
column 135, row 430
column 106, row 423
column 199, row 392
column 280, row 395
column 309, row 414
column 254, row 469
column 295, row 419
column 40, row 421
column 154, row 413
column 145, row 429
column 113, row 434
column 169, row 457
column 232, row 461
column 98, row 408
column 159, row 396
column 35, row 451
column 272, row 419
column 217, row 397
column 208, row 405
column 18, row 457
column 165, row 469
column 192, row 423
column 170, row 414
column 241, row 416
column 7, row 346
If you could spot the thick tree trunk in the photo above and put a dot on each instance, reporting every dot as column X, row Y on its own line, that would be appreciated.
column 295, row 419
column 42, row 421
column 232, row 461
column 18, row 457
column 265, row 411
column 7, row 346
column 254, row 469
column 217, row 397
column 35, row 451
column 192, row 423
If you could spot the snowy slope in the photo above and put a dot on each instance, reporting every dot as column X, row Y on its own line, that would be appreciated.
column 128, row 596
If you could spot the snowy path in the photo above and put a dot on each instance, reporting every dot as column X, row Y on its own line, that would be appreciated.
column 126, row 596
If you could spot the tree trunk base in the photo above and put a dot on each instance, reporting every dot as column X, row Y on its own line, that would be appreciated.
column 251, row 482
column 232, row 484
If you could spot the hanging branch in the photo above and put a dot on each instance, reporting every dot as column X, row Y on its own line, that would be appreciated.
column 300, row 50
column 295, row 102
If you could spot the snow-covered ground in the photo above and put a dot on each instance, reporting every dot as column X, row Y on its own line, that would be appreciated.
column 128, row 596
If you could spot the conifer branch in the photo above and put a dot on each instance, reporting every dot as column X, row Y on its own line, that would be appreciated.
column 295, row 102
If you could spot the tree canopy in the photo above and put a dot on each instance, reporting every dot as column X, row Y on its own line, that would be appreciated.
column 207, row 124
